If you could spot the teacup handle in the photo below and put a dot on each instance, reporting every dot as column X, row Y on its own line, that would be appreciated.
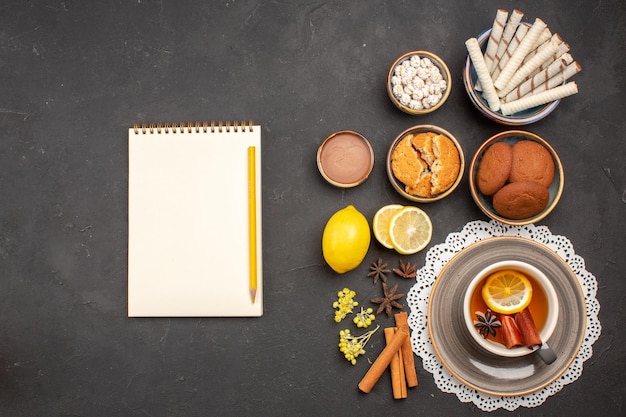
column 546, row 353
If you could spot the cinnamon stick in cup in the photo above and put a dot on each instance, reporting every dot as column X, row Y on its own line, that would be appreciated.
column 527, row 328
column 382, row 362
column 511, row 336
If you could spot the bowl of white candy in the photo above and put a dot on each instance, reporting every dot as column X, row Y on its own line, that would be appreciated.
column 418, row 82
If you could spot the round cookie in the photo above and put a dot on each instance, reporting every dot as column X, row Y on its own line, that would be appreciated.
column 531, row 162
column 521, row 199
column 494, row 168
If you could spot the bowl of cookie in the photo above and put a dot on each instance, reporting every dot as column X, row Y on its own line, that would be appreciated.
column 418, row 82
column 516, row 177
column 425, row 163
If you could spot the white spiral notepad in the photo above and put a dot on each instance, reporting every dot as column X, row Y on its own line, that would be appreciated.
column 194, row 220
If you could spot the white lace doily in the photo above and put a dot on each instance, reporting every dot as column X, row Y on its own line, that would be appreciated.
column 436, row 259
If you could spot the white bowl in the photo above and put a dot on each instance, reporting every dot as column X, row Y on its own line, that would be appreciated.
column 540, row 278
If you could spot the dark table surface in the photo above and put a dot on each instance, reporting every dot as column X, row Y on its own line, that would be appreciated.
column 74, row 76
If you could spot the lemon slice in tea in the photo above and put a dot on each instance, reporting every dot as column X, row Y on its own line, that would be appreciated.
column 507, row 291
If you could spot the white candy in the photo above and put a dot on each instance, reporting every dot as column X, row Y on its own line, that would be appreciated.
column 423, row 73
column 418, row 83
column 416, row 105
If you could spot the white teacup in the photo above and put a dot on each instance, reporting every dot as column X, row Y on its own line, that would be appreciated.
column 546, row 287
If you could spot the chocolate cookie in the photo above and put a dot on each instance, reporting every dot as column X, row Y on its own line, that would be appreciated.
column 521, row 199
column 494, row 168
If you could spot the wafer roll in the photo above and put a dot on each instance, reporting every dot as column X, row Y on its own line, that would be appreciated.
column 544, row 37
column 528, row 68
column 538, row 99
column 563, row 49
column 556, row 80
column 556, row 38
column 522, row 30
column 483, row 73
column 519, row 54
column 560, row 53
column 495, row 36
column 507, row 35
column 541, row 77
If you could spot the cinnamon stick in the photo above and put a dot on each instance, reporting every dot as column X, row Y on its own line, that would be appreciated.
column 527, row 328
column 511, row 336
column 403, row 392
column 382, row 362
column 398, row 382
column 407, row 350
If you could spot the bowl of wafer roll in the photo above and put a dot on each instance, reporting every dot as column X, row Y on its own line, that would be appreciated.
column 517, row 72
column 425, row 163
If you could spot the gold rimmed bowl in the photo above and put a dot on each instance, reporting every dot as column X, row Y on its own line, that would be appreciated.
column 485, row 202
column 521, row 118
column 419, row 82
column 403, row 183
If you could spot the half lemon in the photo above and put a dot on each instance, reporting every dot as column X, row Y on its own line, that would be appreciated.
column 381, row 222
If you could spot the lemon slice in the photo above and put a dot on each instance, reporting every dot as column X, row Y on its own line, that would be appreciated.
column 381, row 221
column 410, row 230
column 507, row 291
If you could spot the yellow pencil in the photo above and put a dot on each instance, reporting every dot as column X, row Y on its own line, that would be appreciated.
column 252, row 218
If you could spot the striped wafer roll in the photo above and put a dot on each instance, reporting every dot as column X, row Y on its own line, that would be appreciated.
column 522, row 30
column 563, row 49
column 556, row 80
column 483, row 73
column 538, row 99
column 560, row 53
column 528, row 68
column 543, row 38
column 495, row 36
column 507, row 35
column 556, row 38
column 520, row 52
column 539, row 78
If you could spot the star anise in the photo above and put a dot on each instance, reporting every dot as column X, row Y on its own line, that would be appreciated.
column 379, row 271
column 487, row 323
column 389, row 301
column 406, row 270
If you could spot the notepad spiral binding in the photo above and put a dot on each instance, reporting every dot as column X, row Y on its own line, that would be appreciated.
column 191, row 127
